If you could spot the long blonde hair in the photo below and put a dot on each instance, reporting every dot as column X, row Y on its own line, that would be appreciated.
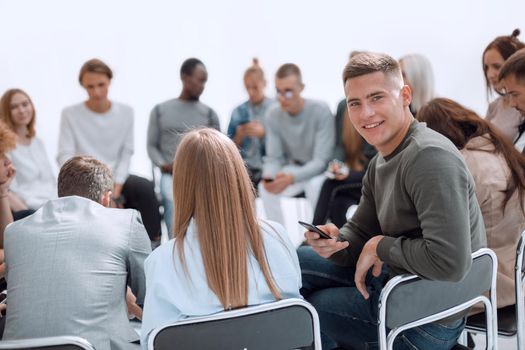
column 211, row 186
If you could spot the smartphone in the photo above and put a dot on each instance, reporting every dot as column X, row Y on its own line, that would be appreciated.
column 267, row 179
column 313, row 228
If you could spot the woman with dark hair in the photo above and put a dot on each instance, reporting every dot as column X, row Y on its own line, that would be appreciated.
column 507, row 119
column 499, row 173
column 35, row 181
column 342, row 189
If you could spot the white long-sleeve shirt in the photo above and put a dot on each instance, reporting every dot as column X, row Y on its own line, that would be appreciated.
column 105, row 136
column 35, row 182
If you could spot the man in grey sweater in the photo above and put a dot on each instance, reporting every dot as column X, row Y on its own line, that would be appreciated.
column 299, row 143
column 171, row 119
column 418, row 214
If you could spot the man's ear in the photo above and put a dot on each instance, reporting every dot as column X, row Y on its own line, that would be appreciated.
column 406, row 94
column 105, row 199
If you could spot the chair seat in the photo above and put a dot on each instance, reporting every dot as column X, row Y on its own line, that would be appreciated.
column 506, row 321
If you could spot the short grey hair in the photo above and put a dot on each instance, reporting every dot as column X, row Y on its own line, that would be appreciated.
column 86, row 177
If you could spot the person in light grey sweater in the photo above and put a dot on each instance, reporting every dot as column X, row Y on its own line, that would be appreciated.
column 299, row 143
column 104, row 129
column 418, row 214
column 170, row 120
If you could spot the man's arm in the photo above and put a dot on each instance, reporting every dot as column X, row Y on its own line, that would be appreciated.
column 139, row 249
column 214, row 121
column 274, row 159
column 66, row 140
column 6, row 217
column 440, row 187
column 363, row 225
column 324, row 141
column 122, row 166
column 153, row 138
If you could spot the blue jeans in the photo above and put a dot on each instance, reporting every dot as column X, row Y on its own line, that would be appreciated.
column 350, row 321
column 166, row 193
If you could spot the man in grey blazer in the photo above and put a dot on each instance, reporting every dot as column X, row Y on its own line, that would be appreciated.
column 69, row 264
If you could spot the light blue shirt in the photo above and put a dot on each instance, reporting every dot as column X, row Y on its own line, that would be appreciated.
column 171, row 295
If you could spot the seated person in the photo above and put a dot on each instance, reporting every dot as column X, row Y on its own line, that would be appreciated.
column 103, row 128
column 418, row 75
column 169, row 120
column 35, row 182
column 418, row 214
column 500, row 112
column 343, row 187
column 7, row 173
column 499, row 173
column 299, row 143
column 246, row 126
column 69, row 263
column 512, row 79
column 221, row 257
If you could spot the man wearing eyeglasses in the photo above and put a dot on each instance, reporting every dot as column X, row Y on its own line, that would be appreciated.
column 300, row 137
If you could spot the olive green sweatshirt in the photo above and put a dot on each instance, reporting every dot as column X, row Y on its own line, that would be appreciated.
column 421, row 197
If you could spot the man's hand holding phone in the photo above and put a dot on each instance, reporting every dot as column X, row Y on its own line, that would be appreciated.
column 325, row 247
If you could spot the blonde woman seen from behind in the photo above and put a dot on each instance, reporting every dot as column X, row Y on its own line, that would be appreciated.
column 221, row 257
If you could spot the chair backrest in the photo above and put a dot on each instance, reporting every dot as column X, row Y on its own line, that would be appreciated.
column 520, row 298
column 48, row 343
column 408, row 301
column 284, row 324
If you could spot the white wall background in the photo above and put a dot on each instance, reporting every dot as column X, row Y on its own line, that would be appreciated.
column 44, row 42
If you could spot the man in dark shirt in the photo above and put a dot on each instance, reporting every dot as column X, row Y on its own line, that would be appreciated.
column 418, row 214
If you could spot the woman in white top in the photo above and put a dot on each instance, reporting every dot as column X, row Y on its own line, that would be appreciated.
column 222, row 257
column 35, row 182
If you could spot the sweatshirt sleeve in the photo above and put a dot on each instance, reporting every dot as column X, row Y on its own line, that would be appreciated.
column 214, row 120
column 153, row 138
column 274, row 159
column 323, row 148
column 123, row 163
column 363, row 225
column 439, row 184
column 139, row 249
column 66, row 139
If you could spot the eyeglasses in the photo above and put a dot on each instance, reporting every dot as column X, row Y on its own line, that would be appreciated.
column 286, row 94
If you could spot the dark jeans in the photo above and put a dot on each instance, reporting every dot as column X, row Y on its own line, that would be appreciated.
column 139, row 194
column 350, row 321
column 336, row 197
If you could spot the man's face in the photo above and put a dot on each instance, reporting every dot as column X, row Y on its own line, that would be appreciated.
column 376, row 107
column 97, row 86
column 515, row 90
column 289, row 93
column 194, row 84
column 4, row 168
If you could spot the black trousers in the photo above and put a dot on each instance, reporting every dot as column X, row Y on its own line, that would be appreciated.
column 336, row 197
column 139, row 194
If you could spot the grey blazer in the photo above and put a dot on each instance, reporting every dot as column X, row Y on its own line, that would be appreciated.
column 67, row 269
